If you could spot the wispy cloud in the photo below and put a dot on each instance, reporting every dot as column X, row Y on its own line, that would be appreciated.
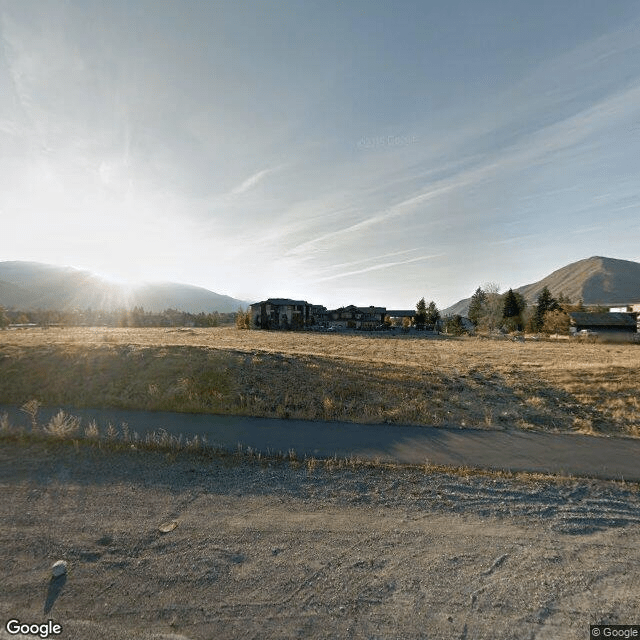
column 585, row 230
column 352, row 263
column 378, row 267
column 252, row 181
column 397, row 210
column 528, row 151
column 515, row 239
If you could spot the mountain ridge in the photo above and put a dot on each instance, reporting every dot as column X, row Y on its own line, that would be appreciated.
column 28, row 286
column 594, row 280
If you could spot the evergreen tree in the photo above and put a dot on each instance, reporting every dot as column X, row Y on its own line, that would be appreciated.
column 514, row 306
column 454, row 325
column 421, row 313
column 433, row 315
column 546, row 302
column 522, row 303
column 475, row 306
column 511, row 308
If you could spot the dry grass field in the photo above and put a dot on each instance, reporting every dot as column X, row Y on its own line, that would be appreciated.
column 550, row 385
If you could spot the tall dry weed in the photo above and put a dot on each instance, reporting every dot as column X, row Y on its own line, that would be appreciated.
column 31, row 408
column 92, row 430
column 62, row 425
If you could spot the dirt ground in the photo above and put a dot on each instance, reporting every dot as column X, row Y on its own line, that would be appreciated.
column 278, row 550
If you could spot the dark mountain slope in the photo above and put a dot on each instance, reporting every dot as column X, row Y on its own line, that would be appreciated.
column 32, row 285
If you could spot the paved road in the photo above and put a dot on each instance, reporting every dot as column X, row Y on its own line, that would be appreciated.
column 570, row 454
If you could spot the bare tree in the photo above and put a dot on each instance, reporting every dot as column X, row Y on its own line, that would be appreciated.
column 492, row 307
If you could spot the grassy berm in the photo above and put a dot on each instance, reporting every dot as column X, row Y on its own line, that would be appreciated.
column 556, row 385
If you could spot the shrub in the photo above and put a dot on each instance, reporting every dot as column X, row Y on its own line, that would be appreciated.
column 62, row 425
column 243, row 318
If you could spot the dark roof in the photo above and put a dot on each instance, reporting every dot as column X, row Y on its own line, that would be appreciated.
column 401, row 313
column 372, row 309
column 585, row 319
column 281, row 302
column 352, row 307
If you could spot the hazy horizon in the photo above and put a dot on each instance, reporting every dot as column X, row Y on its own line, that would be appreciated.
column 362, row 152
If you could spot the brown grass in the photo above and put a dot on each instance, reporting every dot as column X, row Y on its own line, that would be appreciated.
column 473, row 382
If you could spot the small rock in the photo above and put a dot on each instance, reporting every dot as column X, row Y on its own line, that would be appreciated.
column 168, row 526
column 59, row 569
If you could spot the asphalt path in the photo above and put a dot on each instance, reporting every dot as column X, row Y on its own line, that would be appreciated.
column 512, row 450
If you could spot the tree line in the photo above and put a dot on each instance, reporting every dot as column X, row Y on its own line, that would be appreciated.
column 136, row 317
column 489, row 310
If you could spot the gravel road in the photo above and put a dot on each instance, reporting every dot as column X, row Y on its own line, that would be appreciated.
column 275, row 550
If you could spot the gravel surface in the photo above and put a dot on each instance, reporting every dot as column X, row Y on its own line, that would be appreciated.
column 180, row 547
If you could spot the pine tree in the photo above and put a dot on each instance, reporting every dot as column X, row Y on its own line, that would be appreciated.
column 514, row 306
column 511, row 308
column 475, row 306
column 421, row 313
column 433, row 315
column 454, row 325
column 546, row 302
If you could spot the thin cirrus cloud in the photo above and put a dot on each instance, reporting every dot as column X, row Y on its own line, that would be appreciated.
column 252, row 181
column 353, row 263
column 377, row 267
column 531, row 148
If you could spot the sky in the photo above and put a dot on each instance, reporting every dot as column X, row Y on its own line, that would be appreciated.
column 357, row 152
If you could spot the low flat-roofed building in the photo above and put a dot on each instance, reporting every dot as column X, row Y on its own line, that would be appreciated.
column 603, row 323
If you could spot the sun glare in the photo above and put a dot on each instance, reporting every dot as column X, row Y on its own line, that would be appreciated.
column 121, row 279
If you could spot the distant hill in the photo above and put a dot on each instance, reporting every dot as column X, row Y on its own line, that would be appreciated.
column 28, row 286
column 595, row 280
